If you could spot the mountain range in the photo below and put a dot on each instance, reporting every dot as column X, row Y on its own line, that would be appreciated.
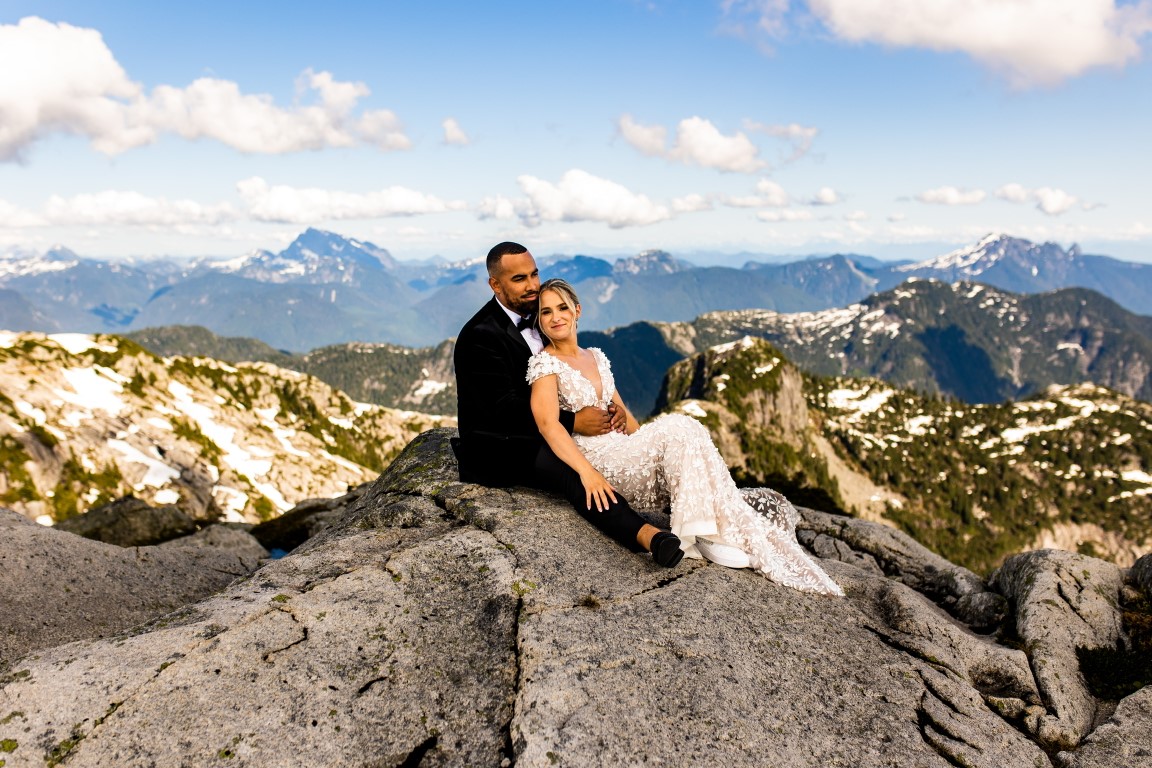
column 88, row 419
column 1066, row 469
column 963, row 340
column 326, row 289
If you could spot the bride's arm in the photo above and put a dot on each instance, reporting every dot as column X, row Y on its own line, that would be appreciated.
column 546, row 411
column 630, row 424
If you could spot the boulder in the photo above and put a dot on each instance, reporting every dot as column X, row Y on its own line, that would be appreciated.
column 1062, row 602
column 1122, row 741
column 1141, row 575
column 130, row 522
column 224, row 539
column 898, row 555
column 291, row 529
column 56, row 586
column 441, row 623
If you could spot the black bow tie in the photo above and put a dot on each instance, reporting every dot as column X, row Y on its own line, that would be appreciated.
column 526, row 322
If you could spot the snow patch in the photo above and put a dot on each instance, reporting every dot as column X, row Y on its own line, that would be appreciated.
column 157, row 475
column 861, row 402
column 94, row 391
column 693, row 409
column 75, row 343
column 429, row 387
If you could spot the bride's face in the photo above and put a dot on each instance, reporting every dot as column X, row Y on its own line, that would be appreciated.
column 557, row 316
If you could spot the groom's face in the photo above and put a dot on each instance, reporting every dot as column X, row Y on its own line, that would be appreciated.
column 517, row 282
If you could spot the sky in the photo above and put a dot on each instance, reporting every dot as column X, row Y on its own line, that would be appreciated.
column 709, row 129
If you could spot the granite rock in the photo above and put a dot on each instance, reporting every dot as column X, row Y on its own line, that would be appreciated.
column 442, row 623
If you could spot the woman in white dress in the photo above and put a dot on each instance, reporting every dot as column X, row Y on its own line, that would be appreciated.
column 671, row 462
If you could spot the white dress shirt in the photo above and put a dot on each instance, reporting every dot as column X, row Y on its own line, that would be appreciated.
column 531, row 335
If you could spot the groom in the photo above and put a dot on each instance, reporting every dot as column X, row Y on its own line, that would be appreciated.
column 499, row 444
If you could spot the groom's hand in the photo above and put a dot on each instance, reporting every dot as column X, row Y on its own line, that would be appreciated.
column 619, row 418
column 592, row 421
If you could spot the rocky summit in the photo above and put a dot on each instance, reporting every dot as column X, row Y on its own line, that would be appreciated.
column 433, row 622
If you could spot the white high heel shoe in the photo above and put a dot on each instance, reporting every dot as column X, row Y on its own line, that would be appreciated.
column 723, row 554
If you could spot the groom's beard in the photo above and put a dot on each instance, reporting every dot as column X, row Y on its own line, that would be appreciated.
column 527, row 306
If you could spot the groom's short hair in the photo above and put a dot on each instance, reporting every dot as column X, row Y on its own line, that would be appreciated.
column 499, row 251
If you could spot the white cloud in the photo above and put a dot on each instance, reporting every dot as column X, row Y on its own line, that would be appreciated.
column 649, row 140
column 1015, row 193
column 1054, row 201
column 299, row 205
column 68, row 81
column 952, row 196
column 856, row 216
column 580, row 196
column 799, row 136
column 382, row 129
column 1031, row 42
column 692, row 203
column 497, row 207
column 454, row 134
column 769, row 194
column 13, row 217
column 788, row 214
column 1048, row 199
column 769, row 19
column 113, row 207
column 71, row 83
column 698, row 142
column 897, row 217
column 772, row 193
column 825, row 196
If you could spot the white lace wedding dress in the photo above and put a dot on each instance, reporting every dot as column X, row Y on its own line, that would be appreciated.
column 671, row 462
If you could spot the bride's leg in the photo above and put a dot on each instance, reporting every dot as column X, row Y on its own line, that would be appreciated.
column 664, row 545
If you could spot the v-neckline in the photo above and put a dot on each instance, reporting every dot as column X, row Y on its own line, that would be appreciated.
column 596, row 361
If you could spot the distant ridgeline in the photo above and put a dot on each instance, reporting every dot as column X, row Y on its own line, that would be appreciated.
column 384, row 374
column 326, row 289
column 964, row 340
column 88, row 419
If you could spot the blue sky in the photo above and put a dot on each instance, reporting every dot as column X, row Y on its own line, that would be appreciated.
column 896, row 128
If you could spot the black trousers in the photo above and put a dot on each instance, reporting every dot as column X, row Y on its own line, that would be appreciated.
column 619, row 521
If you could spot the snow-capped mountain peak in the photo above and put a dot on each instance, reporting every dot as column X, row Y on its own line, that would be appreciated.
column 970, row 260
column 648, row 262
column 994, row 250
column 21, row 263
column 314, row 254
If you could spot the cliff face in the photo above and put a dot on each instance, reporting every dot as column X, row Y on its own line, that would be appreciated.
column 441, row 623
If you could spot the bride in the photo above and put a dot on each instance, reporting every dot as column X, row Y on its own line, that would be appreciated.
column 669, row 462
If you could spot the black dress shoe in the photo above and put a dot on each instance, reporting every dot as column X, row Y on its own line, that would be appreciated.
column 666, row 549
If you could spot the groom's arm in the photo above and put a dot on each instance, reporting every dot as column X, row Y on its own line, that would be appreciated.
column 491, row 381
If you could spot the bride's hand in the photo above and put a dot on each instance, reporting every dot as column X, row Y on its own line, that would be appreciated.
column 598, row 489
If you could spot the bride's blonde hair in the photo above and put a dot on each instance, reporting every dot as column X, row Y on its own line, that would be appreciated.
column 566, row 291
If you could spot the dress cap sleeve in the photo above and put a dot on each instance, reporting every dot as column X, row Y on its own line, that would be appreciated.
column 542, row 364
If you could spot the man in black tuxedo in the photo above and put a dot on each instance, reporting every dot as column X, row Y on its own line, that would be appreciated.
column 499, row 443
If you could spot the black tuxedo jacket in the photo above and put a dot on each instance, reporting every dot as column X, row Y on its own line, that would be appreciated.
column 499, row 441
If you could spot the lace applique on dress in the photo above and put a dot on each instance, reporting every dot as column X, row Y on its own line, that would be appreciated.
column 672, row 463
column 576, row 391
